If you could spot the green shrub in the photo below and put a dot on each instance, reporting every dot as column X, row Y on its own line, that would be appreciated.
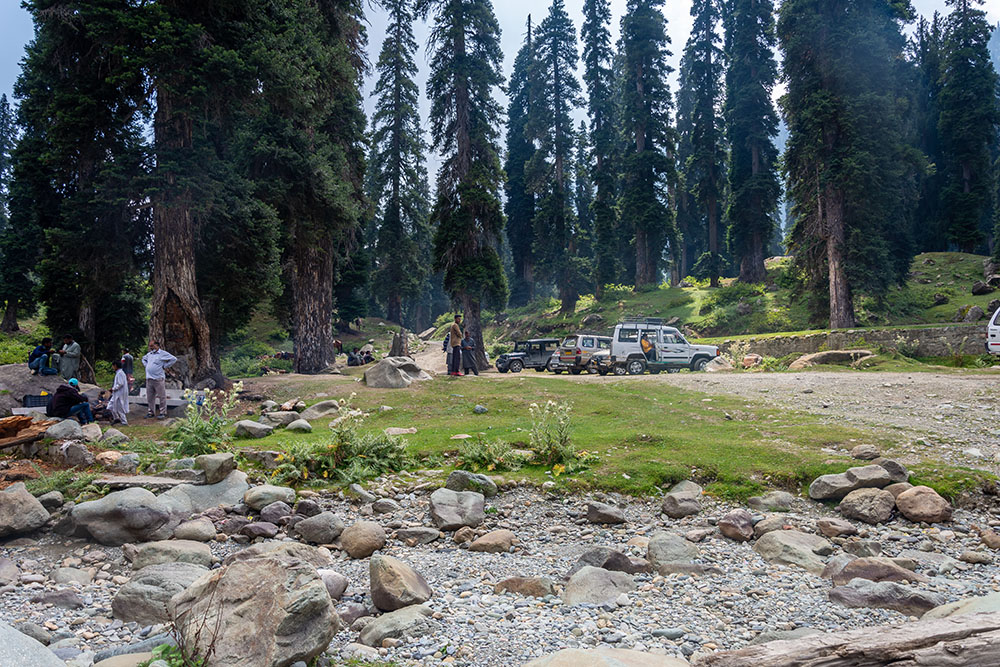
column 203, row 430
column 498, row 348
column 614, row 292
column 246, row 367
column 550, row 434
column 14, row 351
column 478, row 454
column 733, row 294
column 253, row 348
column 70, row 483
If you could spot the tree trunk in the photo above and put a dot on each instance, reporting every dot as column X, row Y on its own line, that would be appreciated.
column 643, row 261
column 313, row 295
column 713, row 239
column 9, row 324
column 474, row 325
column 568, row 297
column 394, row 308
column 841, row 306
column 88, row 328
column 176, row 320
column 752, row 263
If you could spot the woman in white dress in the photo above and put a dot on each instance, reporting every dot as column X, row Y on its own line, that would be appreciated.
column 118, row 405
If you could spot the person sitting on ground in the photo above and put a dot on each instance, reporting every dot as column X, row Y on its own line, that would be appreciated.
column 118, row 405
column 469, row 354
column 353, row 358
column 69, row 357
column 42, row 360
column 367, row 357
column 67, row 402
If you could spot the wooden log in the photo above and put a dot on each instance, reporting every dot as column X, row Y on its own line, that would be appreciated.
column 971, row 639
column 11, row 426
column 36, row 431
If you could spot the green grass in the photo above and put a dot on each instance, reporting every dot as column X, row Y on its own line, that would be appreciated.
column 643, row 435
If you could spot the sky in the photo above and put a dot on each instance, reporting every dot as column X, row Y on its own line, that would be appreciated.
column 16, row 31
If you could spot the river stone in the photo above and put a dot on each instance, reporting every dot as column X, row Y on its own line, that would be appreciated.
column 67, row 429
column 75, row 453
column 773, row 501
column 131, row 515
column 19, row 649
column 898, row 488
column 605, row 657
column 323, row 528
column 335, row 582
column 869, row 505
column 463, row 480
column 792, row 547
column 188, row 499
column 679, row 504
column 395, row 585
column 199, row 530
column 271, row 611
column 275, row 512
column 886, row 595
column 318, row 557
column 450, row 510
column 20, row 512
column 113, row 436
column 875, row 569
column 898, row 473
column 173, row 551
column 986, row 603
column 494, row 542
column 320, row 410
column 604, row 513
column 394, row 373
column 667, row 548
column 835, row 527
column 279, row 419
column 216, row 466
column 299, row 426
column 256, row 529
column 362, row 539
column 259, row 497
column 737, row 525
column 835, row 487
column 594, row 585
column 413, row 621
column 608, row 559
column 411, row 537
column 246, row 428
column 536, row 587
column 52, row 500
column 922, row 503
column 71, row 575
column 144, row 598
column 865, row 452
column 9, row 572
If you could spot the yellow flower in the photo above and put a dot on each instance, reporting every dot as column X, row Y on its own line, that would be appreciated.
column 558, row 469
column 305, row 473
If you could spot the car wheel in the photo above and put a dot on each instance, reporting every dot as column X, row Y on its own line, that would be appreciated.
column 516, row 366
column 602, row 372
column 540, row 369
column 503, row 370
column 652, row 372
column 620, row 369
column 574, row 371
column 636, row 367
column 592, row 368
column 673, row 370
column 699, row 364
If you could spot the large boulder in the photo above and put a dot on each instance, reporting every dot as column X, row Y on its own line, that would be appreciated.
column 269, row 611
column 144, row 598
column 986, row 603
column 173, row 551
column 247, row 428
column 188, row 499
column 922, row 503
column 17, row 381
column 828, row 357
column 594, row 585
column 261, row 496
column 835, row 487
column 279, row 419
column 604, row 513
column 131, row 515
column 320, row 410
column 605, row 656
column 792, row 547
column 362, row 539
column 869, row 505
column 667, row 548
column 463, row 480
column 216, row 466
column 67, row 429
column 19, row 649
column 394, row 373
column 323, row 528
column 494, row 542
column 395, row 585
column 683, row 499
column 737, row 525
column 874, row 569
column 413, row 621
column 886, row 595
column 20, row 512
column 450, row 510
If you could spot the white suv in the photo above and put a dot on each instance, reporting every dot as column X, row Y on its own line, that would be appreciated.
column 669, row 349
column 993, row 334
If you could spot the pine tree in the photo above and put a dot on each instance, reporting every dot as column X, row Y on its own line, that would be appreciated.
column 925, row 51
column 647, row 164
column 550, row 124
column 845, row 158
column 520, row 199
column 967, row 124
column 751, row 126
column 701, row 73
column 583, row 202
column 600, row 80
column 465, row 70
column 8, row 139
column 399, row 188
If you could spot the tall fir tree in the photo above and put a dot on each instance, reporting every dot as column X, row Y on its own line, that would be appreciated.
column 701, row 74
column 551, row 126
column 8, row 139
column 751, row 126
column 845, row 148
column 600, row 80
column 399, row 189
column 583, row 203
column 520, row 199
column 967, row 124
column 926, row 50
column 647, row 164
column 690, row 220
column 465, row 71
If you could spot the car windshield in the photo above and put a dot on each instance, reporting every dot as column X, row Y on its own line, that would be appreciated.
column 570, row 341
column 522, row 347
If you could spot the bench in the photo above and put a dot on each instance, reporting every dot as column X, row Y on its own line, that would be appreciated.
column 175, row 398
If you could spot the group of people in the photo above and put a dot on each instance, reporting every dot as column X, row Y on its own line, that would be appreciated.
column 461, row 349
column 365, row 355
column 68, row 401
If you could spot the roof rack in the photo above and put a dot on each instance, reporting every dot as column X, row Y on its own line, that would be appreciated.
column 655, row 321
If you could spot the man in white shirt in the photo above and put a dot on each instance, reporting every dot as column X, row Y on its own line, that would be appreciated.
column 156, row 361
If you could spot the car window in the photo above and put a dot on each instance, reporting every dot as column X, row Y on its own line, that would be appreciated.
column 570, row 341
column 995, row 321
column 521, row 347
column 652, row 335
column 604, row 343
column 587, row 342
column 628, row 335
column 669, row 339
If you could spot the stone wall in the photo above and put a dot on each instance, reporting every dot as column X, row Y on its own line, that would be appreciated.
column 930, row 342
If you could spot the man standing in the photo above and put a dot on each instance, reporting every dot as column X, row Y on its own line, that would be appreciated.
column 455, row 342
column 69, row 357
column 128, row 366
column 156, row 362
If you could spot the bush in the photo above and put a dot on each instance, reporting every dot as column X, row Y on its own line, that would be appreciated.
column 253, row 348
column 498, row 348
column 550, row 439
column 203, row 428
column 70, row 483
column 244, row 367
column 614, row 292
column 478, row 454
column 732, row 294
column 14, row 351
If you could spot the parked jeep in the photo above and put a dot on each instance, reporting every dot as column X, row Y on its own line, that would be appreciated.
column 577, row 351
column 664, row 349
column 534, row 353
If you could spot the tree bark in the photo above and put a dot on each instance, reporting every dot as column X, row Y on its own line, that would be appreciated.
column 841, row 305
column 9, row 324
column 970, row 639
column 644, row 265
column 85, row 322
column 394, row 308
column 473, row 324
column 177, row 320
column 313, row 290
column 752, row 263
column 713, row 239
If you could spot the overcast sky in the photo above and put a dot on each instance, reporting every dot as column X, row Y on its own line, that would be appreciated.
column 16, row 31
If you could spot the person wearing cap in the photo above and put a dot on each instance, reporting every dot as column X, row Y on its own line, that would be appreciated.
column 67, row 402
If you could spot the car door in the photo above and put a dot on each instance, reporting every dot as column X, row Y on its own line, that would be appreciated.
column 993, row 334
column 587, row 346
column 671, row 351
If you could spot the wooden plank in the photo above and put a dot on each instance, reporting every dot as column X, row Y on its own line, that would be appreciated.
column 36, row 431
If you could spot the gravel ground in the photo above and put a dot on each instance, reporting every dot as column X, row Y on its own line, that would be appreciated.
column 477, row 627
